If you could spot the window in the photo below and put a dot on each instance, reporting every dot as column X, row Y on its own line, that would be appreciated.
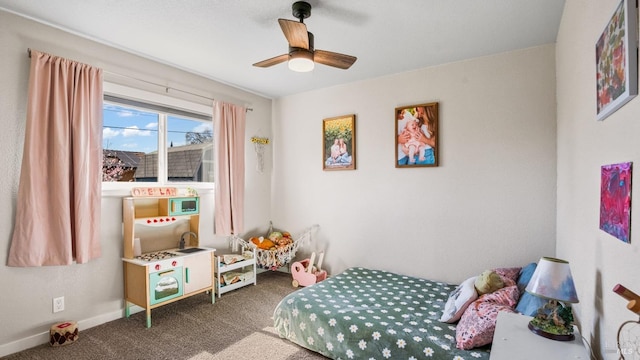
column 156, row 143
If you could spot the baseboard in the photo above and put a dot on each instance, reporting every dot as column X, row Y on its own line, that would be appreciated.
column 43, row 337
column 24, row 343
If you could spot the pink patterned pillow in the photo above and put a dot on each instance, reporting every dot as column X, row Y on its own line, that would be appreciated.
column 478, row 323
column 509, row 275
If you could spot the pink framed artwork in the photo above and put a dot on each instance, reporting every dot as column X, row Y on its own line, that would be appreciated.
column 615, row 200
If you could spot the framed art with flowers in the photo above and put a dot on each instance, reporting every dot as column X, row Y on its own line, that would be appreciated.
column 617, row 60
column 339, row 143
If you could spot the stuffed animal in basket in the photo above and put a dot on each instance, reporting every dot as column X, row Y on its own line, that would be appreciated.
column 276, row 240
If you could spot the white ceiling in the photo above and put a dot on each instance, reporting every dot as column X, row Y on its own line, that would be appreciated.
column 221, row 39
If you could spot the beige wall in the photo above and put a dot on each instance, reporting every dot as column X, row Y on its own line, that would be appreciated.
column 490, row 203
column 94, row 291
column 598, row 261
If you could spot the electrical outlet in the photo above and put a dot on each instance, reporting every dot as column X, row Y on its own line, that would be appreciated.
column 58, row 304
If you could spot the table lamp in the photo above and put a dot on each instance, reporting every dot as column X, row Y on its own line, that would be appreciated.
column 552, row 281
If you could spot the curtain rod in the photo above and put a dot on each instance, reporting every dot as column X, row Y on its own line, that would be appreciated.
column 167, row 88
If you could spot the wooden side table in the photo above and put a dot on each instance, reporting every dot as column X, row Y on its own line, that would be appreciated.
column 513, row 340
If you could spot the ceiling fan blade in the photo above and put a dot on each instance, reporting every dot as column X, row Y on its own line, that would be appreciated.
column 273, row 61
column 295, row 32
column 329, row 58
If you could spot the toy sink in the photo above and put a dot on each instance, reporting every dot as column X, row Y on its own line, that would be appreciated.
column 189, row 250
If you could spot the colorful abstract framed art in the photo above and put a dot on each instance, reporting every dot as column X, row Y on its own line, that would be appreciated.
column 615, row 200
column 617, row 60
column 339, row 143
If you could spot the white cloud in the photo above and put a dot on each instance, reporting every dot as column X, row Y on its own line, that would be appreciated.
column 135, row 131
column 108, row 133
column 125, row 113
column 153, row 125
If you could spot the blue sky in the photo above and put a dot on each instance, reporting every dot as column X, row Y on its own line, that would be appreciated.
column 130, row 129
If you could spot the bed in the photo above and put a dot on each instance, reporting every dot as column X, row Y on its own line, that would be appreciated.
column 372, row 314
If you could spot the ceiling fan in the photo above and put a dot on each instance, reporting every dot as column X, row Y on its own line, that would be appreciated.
column 302, row 55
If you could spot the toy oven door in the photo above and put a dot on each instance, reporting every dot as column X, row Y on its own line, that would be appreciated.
column 165, row 285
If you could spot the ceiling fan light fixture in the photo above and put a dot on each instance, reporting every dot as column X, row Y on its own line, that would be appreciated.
column 302, row 55
column 301, row 61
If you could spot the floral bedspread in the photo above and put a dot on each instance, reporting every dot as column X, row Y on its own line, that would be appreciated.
column 372, row 314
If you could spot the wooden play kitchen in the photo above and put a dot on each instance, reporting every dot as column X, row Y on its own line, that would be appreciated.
column 163, row 261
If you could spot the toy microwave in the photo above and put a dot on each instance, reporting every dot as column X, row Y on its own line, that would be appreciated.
column 184, row 206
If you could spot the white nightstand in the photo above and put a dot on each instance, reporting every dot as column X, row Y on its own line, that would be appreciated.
column 513, row 340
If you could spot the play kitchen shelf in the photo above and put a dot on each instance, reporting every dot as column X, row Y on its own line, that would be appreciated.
column 233, row 270
column 162, row 257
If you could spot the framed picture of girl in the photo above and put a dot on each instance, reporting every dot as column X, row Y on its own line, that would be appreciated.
column 339, row 143
column 417, row 135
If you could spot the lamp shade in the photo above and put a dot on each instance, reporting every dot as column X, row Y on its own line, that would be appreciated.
column 552, row 280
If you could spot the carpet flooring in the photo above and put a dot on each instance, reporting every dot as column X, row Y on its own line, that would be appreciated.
column 238, row 326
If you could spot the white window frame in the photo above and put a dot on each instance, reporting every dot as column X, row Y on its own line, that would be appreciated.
column 124, row 188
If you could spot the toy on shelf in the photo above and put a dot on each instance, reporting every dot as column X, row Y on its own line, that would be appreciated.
column 305, row 274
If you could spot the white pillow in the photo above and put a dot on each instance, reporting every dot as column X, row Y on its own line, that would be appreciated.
column 459, row 300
